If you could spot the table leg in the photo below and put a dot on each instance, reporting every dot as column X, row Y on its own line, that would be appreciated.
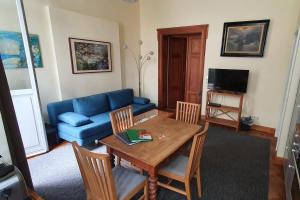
column 112, row 157
column 152, row 185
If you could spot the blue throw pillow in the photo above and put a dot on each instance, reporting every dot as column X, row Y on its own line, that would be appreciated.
column 141, row 100
column 91, row 105
column 74, row 119
column 120, row 98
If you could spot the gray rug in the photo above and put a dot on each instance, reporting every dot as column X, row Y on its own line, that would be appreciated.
column 234, row 167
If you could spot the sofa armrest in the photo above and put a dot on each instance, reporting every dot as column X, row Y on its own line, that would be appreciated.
column 141, row 100
column 74, row 119
column 57, row 108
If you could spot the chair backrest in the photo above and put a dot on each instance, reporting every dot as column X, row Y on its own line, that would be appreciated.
column 121, row 119
column 188, row 112
column 96, row 173
column 196, row 152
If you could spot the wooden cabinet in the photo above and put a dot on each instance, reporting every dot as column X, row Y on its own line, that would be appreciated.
column 216, row 114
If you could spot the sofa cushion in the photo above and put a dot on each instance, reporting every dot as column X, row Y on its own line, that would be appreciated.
column 91, row 105
column 75, row 119
column 84, row 131
column 139, row 108
column 101, row 118
column 141, row 100
column 120, row 98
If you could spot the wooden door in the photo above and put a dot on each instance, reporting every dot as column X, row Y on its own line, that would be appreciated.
column 196, row 37
column 194, row 71
column 176, row 67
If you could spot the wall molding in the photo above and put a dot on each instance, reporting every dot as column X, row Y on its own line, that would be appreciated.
column 264, row 129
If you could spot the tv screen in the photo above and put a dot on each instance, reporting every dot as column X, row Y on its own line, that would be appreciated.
column 228, row 80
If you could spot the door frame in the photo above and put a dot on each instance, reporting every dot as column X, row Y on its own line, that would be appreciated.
column 162, row 33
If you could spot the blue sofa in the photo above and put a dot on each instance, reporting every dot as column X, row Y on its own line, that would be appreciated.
column 86, row 119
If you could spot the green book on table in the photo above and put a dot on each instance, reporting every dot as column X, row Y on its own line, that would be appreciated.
column 134, row 135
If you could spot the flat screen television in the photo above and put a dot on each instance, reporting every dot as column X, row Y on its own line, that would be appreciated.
column 232, row 80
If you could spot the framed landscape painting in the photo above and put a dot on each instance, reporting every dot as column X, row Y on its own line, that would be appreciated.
column 13, row 53
column 89, row 56
column 244, row 39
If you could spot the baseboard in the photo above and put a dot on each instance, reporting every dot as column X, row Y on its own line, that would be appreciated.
column 264, row 129
column 280, row 160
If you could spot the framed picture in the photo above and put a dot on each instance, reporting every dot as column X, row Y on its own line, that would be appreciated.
column 89, row 56
column 244, row 39
column 12, row 50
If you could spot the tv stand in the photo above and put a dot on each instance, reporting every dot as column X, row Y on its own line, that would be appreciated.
column 214, row 113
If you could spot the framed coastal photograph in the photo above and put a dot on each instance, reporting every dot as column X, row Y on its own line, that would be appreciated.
column 13, row 53
column 90, row 56
column 244, row 39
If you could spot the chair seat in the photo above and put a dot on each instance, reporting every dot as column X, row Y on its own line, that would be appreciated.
column 175, row 168
column 126, row 181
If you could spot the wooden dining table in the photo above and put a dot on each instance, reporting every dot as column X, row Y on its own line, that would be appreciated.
column 169, row 135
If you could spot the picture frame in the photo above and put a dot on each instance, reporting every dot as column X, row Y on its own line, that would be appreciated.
column 12, row 50
column 90, row 56
column 245, row 38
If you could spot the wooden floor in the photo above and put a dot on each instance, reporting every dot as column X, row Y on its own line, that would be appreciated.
column 276, row 179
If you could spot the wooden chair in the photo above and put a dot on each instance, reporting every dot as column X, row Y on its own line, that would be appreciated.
column 188, row 112
column 121, row 119
column 184, row 168
column 104, row 183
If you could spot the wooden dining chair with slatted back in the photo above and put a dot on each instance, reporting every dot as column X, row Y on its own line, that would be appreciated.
column 183, row 168
column 121, row 120
column 188, row 112
column 104, row 183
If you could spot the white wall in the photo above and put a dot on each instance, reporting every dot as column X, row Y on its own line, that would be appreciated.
column 267, row 74
column 37, row 24
column 126, row 15
column 65, row 24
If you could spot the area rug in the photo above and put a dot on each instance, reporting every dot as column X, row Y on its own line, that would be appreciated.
column 235, row 166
